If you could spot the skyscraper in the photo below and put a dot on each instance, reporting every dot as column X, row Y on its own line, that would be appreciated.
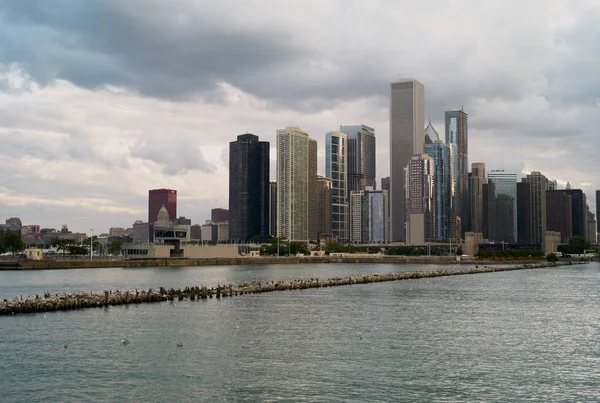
column 559, row 214
column 420, row 198
column 361, row 157
column 440, row 152
column 407, row 120
column 477, row 180
column 296, row 185
column 324, row 206
column 502, row 205
column 457, row 133
column 591, row 226
column 248, row 188
column 156, row 199
column 273, row 209
column 219, row 214
column 524, row 214
column 598, row 211
column 385, row 185
column 368, row 218
column 538, row 185
column 578, row 210
column 486, row 211
column 336, row 168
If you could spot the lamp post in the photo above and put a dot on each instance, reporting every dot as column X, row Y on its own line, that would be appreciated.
column 91, row 243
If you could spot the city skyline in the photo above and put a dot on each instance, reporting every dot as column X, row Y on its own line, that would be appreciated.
column 84, row 140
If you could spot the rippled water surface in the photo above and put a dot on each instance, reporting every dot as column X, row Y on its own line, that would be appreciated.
column 531, row 335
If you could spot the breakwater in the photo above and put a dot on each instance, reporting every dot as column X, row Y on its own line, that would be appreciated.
column 80, row 300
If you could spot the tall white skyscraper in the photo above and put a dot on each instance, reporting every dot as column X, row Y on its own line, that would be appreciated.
column 407, row 123
column 336, row 169
column 296, row 185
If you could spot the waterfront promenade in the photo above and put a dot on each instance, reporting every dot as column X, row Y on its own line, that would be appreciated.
column 81, row 300
column 100, row 263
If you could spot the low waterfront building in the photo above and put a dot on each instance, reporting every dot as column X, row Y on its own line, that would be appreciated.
column 137, row 251
column 551, row 241
column 34, row 254
column 472, row 242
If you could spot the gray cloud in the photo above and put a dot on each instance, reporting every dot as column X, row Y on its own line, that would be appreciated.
column 96, row 43
column 216, row 69
column 177, row 157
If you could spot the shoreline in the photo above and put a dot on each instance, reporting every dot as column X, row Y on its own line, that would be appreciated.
column 96, row 264
column 82, row 300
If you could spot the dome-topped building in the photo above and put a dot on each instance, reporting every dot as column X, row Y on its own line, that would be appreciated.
column 431, row 135
column 163, row 216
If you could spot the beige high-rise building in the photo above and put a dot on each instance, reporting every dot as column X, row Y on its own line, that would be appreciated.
column 407, row 123
column 296, row 185
column 538, row 185
column 476, row 196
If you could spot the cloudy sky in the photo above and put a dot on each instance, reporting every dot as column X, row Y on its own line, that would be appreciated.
column 101, row 100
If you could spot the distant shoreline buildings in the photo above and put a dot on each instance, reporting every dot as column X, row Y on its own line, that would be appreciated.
column 429, row 197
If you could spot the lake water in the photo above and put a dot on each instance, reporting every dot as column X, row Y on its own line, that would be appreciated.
column 531, row 335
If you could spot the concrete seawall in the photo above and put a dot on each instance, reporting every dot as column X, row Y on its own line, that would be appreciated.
column 80, row 300
column 83, row 264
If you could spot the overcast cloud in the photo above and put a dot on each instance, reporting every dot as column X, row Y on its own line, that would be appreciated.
column 101, row 100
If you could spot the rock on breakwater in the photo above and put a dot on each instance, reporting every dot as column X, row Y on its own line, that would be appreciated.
column 79, row 300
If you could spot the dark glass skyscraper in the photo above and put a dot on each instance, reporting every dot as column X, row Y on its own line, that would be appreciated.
column 502, row 205
column 524, row 213
column 248, row 188
column 597, row 210
column 559, row 213
column 578, row 211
